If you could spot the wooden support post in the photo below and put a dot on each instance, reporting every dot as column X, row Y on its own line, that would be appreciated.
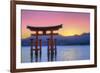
column 31, row 50
column 55, row 45
column 36, row 47
column 55, row 49
column 51, row 44
column 48, row 41
column 51, row 41
column 40, row 48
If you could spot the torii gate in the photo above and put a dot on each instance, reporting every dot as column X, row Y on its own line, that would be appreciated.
column 38, row 42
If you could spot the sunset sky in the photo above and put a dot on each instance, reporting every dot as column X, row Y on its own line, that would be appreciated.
column 74, row 23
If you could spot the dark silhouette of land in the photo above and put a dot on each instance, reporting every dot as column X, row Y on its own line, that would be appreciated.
column 83, row 39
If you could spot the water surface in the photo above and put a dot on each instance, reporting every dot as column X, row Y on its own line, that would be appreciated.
column 64, row 53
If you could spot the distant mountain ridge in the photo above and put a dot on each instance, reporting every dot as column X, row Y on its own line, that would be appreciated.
column 83, row 39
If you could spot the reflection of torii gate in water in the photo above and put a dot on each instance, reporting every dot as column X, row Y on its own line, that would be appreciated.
column 38, row 42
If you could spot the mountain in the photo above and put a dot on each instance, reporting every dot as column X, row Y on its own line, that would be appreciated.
column 83, row 39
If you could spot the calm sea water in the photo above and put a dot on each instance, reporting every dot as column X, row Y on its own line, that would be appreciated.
column 64, row 53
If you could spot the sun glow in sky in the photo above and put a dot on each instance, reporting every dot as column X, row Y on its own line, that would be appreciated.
column 74, row 23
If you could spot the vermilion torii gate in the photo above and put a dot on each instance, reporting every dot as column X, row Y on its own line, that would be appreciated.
column 38, row 42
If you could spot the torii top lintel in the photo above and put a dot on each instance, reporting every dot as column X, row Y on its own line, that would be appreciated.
column 31, row 28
